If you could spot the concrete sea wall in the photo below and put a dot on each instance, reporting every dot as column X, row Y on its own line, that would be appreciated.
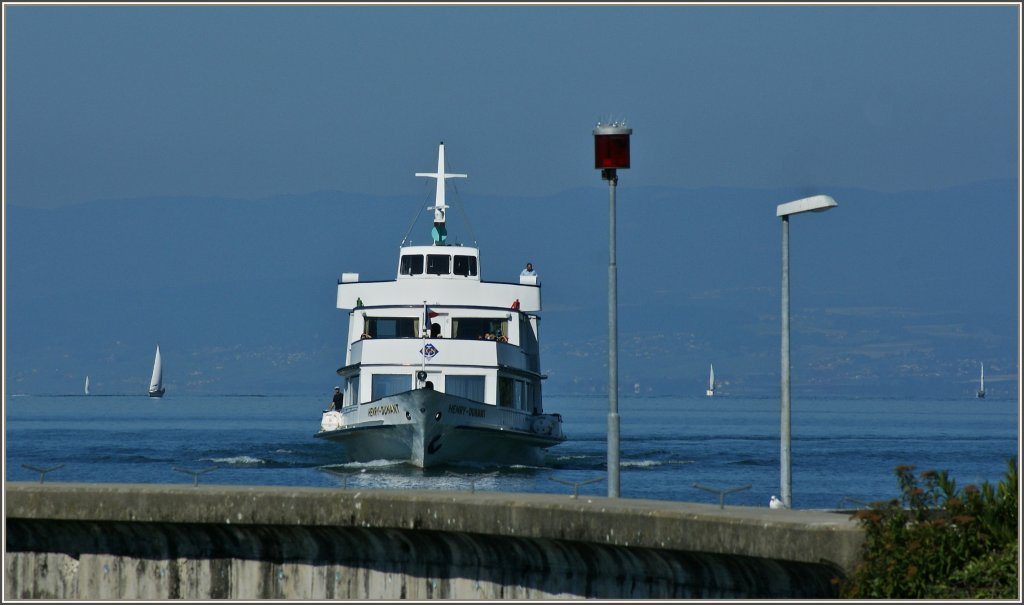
column 87, row 541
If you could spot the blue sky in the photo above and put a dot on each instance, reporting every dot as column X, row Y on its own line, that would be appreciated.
column 254, row 101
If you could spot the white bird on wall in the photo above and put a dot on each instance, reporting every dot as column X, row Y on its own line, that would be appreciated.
column 776, row 503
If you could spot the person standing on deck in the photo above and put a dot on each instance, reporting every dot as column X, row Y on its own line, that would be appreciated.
column 338, row 401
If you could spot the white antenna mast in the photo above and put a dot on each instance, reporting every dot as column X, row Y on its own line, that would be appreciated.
column 439, row 233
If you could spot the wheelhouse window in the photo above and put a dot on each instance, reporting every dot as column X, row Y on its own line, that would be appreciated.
column 390, row 327
column 352, row 391
column 506, row 392
column 384, row 385
column 465, row 265
column 470, row 387
column 522, row 395
column 412, row 264
column 479, row 328
column 439, row 264
column 515, row 393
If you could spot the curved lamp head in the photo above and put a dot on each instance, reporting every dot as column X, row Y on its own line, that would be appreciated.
column 817, row 203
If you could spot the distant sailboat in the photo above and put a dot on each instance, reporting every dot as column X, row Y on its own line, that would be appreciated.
column 86, row 385
column 981, row 391
column 711, row 382
column 156, row 383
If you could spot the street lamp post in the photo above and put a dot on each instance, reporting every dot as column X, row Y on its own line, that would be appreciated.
column 817, row 203
column 611, row 151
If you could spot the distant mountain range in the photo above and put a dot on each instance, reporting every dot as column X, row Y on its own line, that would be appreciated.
column 892, row 294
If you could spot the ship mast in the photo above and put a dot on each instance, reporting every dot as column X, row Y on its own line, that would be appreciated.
column 439, row 232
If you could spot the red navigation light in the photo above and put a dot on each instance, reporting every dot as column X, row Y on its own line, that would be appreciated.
column 611, row 146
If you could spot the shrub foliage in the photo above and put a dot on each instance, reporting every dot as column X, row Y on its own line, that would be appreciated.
column 940, row 542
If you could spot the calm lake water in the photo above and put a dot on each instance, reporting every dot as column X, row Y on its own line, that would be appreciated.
column 844, row 451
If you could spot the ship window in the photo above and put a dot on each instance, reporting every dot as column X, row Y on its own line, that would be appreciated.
column 353, row 391
column 384, row 385
column 465, row 265
column 412, row 264
column 390, row 327
column 477, row 328
column 506, row 392
column 439, row 264
column 470, row 387
column 522, row 399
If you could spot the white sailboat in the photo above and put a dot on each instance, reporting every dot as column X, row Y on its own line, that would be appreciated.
column 981, row 390
column 86, row 385
column 711, row 382
column 156, row 382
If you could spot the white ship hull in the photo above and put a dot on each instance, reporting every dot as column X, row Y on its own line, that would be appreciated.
column 427, row 428
column 441, row 367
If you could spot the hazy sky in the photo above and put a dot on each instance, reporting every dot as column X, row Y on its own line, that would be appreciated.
column 253, row 101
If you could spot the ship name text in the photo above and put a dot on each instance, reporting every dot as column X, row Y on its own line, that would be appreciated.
column 466, row 411
column 383, row 410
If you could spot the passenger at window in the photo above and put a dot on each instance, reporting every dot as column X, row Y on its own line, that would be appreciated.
column 528, row 271
column 435, row 330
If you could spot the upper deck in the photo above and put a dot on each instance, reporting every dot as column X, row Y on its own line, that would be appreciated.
column 439, row 275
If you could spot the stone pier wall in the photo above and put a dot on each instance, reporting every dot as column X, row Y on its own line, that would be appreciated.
column 87, row 541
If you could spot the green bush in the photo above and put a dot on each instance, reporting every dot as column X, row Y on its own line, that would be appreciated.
column 940, row 542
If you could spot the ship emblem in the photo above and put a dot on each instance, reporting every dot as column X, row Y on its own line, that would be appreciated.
column 429, row 351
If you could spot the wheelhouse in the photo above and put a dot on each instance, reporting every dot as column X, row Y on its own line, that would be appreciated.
column 439, row 261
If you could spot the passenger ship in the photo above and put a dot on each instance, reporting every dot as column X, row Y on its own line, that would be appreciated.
column 441, row 366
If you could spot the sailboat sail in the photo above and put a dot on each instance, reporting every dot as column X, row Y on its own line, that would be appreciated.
column 711, row 382
column 156, row 388
column 981, row 390
column 86, row 385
